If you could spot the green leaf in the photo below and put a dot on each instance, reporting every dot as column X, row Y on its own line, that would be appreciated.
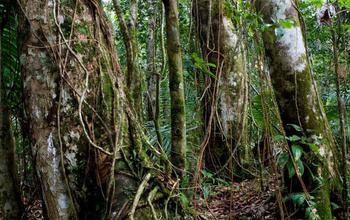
column 223, row 182
column 300, row 166
column 335, row 206
column 314, row 148
column 294, row 138
column 283, row 159
column 205, row 190
column 287, row 23
column 207, row 174
column 209, row 73
column 211, row 65
column 297, row 152
column 296, row 127
column 346, row 27
column 184, row 200
column 317, row 3
column 344, row 3
column 279, row 137
column 298, row 199
column 309, row 214
column 291, row 170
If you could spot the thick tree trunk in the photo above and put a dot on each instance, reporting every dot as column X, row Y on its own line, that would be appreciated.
column 297, row 96
column 68, row 74
column 176, row 83
column 9, row 199
column 84, row 134
column 228, row 93
column 42, row 91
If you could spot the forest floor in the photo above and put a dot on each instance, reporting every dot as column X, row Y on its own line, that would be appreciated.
column 244, row 201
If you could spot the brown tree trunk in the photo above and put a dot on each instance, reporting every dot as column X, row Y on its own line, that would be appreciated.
column 222, row 45
column 42, row 91
column 83, row 130
column 129, row 33
column 154, row 77
column 176, row 83
column 297, row 97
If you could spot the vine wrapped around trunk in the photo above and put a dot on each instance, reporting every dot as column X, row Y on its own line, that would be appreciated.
column 222, row 45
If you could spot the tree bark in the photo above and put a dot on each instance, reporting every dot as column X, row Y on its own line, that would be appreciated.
column 342, row 116
column 84, row 133
column 154, row 77
column 297, row 96
column 176, row 83
column 129, row 33
column 222, row 45
column 42, row 92
column 69, row 77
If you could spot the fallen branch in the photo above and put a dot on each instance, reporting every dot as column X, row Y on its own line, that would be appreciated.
column 138, row 195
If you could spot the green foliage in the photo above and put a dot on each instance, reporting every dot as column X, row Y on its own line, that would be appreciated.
column 184, row 200
column 319, row 41
column 344, row 3
column 203, row 66
column 301, row 202
column 10, row 63
column 316, row 3
column 297, row 152
column 298, row 199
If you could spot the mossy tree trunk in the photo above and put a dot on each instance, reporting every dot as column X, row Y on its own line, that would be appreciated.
column 222, row 45
column 129, row 33
column 176, row 83
column 297, row 97
column 10, row 201
column 154, row 76
column 82, row 127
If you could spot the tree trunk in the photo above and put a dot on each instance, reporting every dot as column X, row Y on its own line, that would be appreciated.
column 69, row 100
column 84, row 134
column 129, row 32
column 9, row 198
column 154, row 77
column 41, row 68
column 228, row 94
column 297, row 96
column 176, row 83
column 342, row 117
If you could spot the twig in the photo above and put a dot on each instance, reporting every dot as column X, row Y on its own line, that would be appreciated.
column 138, row 195
column 149, row 200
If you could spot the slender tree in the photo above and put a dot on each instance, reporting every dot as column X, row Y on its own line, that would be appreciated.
column 222, row 45
column 335, row 31
column 129, row 33
column 154, row 77
column 176, row 84
column 297, row 97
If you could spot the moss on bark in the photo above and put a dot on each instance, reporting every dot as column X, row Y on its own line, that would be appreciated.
column 176, row 83
column 297, row 97
column 231, row 94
